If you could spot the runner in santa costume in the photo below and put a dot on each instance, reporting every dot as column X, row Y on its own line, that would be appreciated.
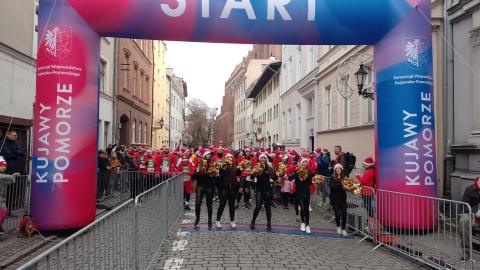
column 186, row 167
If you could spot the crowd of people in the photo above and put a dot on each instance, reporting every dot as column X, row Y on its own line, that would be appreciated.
column 214, row 172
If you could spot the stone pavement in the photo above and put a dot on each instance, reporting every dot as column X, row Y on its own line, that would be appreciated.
column 15, row 251
column 236, row 250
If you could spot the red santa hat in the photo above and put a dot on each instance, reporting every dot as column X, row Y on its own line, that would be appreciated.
column 294, row 153
column 262, row 155
column 324, row 150
column 2, row 161
column 204, row 152
column 228, row 156
column 304, row 160
column 317, row 151
column 185, row 158
column 338, row 165
column 143, row 147
column 475, row 181
column 369, row 161
column 131, row 153
column 220, row 143
column 247, row 148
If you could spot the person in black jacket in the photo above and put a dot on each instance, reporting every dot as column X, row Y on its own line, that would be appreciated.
column 205, row 186
column 302, row 193
column 227, row 186
column 12, row 153
column 102, row 175
column 338, row 198
column 263, row 191
column 471, row 196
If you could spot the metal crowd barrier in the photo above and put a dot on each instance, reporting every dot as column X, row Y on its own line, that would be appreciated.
column 17, row 200
column 126, row 238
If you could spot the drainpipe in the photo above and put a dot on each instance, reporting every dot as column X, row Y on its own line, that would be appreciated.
column 114, row 109
column 153, row 93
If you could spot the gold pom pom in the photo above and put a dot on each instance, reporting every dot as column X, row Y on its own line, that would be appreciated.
column 212, row 169
column 244, row 164
column 202, row 167
column 318, row 180
column 227, row 163
column 352, row 186
column 257, row 169
column 281, row 170
column 302, row 173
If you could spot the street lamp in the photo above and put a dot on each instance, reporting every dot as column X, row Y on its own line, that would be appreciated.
column 361, row 76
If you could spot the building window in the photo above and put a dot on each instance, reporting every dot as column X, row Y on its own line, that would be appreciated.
column 101, row 79
column 328, row 107
column 125, row 70
column 310, row 107
column 135, row 81
column 298, row 122
column 145, row 133
column 140, row 133
column 133, row 130
column 106, row 131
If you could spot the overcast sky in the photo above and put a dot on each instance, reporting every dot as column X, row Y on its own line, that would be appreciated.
column 205, row 67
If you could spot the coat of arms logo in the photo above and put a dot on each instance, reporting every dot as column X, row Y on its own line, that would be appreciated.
column 415, row 52
column 58, row 41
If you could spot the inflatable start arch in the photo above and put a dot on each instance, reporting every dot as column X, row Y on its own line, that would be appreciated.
column 66, row 108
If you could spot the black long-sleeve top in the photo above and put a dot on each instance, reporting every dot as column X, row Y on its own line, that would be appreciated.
column 337, row 193
column 302, row 187
column 263, row 180
column 228, row 178
column 204, row 180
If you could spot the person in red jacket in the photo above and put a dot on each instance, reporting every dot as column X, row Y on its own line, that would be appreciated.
column 188, row 169
column 368, row 180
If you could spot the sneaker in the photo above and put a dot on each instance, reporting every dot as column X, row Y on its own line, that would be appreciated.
column 196, row 222
column 269, row 227
column 307, row 229
column 218, row 224
column 210, row 224
column 252, row 225
column 233, row 224
column 302, row 227
column 297, row 218
column 2, row 231
column 187, row 207
column 246, row 206
column 236, row 206
column 339, row 230
column 344, row 233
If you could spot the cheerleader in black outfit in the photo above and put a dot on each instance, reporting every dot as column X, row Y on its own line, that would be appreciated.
column 205, row 185
column 302, row 194
column 227, row 189
column 263, row 191
column 338, row 198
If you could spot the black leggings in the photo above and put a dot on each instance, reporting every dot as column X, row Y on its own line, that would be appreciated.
column 263, row 198
column 304, row 210
column 340, row 211
column 208, row 192
column 227, row 195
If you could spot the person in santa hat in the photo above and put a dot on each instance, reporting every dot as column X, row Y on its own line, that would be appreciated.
column 263, row 191
column 5, row 180
column 368, row 180
column 245, row 180
column 471, row 196
column 188, row 169
column 302, row 193
column 205, row 186
column 227, row 186
column 338, row 198
column 165, row 164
